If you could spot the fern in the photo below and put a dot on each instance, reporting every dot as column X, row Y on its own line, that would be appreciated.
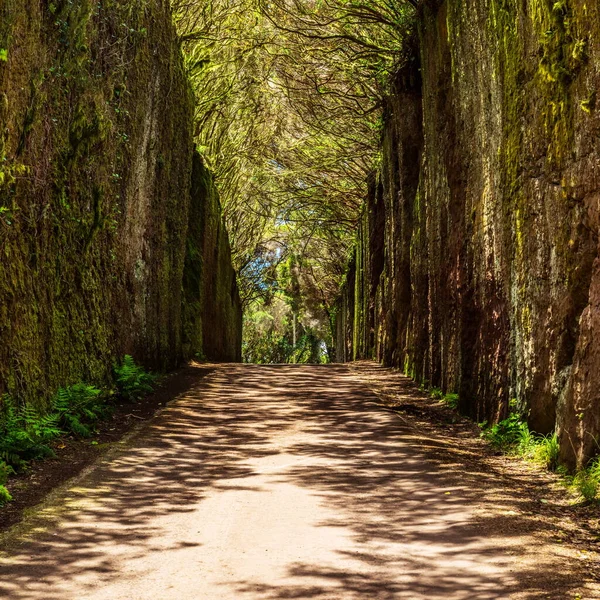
column 5, row 472
column 78, row 407
column 133, row 382
column 24, row 433
column 4, row 495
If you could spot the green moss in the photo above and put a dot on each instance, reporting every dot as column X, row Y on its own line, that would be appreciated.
column 69, row 300
column 211, row 311
column 563, row 55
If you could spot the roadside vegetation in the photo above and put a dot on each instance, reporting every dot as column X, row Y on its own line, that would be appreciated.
column 512, row 436
column 27, row 434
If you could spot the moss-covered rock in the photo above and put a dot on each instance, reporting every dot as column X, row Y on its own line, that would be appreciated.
column 491, row 235
column 212, row 320
column 96, row 154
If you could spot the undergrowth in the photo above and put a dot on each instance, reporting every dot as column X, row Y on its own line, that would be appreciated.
column 27, row 434
column 133, row 382
column 587, row 481
column 450, row 400
column 513, row 436
column 5, row 472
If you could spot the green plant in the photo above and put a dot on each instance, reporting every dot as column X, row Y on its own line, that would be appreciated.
column 509, row 433
column 587, row 481
column 451, row 400
column 79, row 407
column 546, row 451
column 526, row 442
column 587, row 484
column 24, row 433
column 5, row 472
column 513, row 434
column 5, row 495
column 133, row 382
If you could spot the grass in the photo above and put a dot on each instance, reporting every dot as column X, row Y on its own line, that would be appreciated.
column 587, row 481
column 513, row 436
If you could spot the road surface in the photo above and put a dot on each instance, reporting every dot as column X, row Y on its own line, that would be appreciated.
column 277, row 482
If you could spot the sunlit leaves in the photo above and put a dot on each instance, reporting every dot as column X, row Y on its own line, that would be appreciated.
column 289, row 99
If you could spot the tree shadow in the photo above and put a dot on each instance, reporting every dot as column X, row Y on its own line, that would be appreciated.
column 402, row 515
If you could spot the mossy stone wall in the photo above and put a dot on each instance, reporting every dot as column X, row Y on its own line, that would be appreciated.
column 212, row 306
column 491, row 283
column 96, row 154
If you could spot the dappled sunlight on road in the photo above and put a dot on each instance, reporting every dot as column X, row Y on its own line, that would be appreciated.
column 279, row 482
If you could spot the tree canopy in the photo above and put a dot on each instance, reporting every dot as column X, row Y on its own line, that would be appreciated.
column 289, row 97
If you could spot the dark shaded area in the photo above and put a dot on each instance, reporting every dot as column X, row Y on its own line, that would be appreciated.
column 212, row 309
column 404, row 499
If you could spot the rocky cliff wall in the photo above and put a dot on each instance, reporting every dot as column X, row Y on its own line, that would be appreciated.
column 213, row 310
column 95, row 176
column 490, row 192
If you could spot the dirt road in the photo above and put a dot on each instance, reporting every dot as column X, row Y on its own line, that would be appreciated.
column 281, row 482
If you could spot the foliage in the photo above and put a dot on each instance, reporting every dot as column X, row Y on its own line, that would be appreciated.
column 514, row 436
column 281, row 332
column 508, row 434
column 546, row 451
column 449, row 399
column 587, row 481
column 132, row 381
column 5, row 472
column 290, row 100
column 79, row 407
column 5, row 495
column 24, row 433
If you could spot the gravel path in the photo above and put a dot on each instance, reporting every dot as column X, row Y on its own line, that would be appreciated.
column 280, row 482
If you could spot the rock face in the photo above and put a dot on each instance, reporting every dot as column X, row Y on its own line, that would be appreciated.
column 477, row 263
column 96, row 195
column 212, row 306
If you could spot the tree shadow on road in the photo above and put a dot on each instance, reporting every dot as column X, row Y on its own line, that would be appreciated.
column 419, row 521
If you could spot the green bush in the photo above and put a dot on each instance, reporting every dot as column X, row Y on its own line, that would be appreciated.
column 133, row 382
column 24, row 433
column 586, row 484
column 451, row 400
column 587, row 481
column 546, row 451
column 5, row 471
column 509, row 433
column 513, row 435
column 79, row 407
